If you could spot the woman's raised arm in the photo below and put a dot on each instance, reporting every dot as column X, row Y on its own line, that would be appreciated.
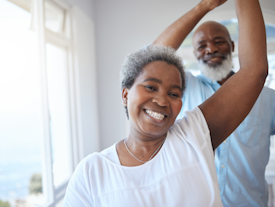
column 227, row 108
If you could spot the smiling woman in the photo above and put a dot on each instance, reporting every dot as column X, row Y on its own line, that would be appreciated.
column 132, row 166
column 163, row 162
column 154, row 102
column 135, row 62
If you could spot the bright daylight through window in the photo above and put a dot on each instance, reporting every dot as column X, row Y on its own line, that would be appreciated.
column 35, row 115
column 20, row 108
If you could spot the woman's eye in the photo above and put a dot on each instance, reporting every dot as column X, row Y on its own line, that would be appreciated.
column 150, row 88
column 174, row 95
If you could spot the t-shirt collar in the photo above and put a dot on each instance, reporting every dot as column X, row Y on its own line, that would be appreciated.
column 208, row 81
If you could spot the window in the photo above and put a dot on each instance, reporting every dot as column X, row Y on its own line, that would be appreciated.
column 37, row 124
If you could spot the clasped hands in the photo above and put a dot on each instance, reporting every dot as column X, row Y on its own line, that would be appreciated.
column 212, row 4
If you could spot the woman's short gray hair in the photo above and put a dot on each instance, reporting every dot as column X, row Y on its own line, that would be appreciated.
column 136, row 61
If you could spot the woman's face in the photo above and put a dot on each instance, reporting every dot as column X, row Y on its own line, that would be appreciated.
column 154, row 100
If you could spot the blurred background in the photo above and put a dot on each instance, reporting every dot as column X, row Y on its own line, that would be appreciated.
column 60, row 96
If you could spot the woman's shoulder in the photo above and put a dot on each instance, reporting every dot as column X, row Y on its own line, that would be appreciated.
column 192, row 127
column 111, row 154
column 192, row 119
column 90, row 160
column 109, row 150
column 98, row 158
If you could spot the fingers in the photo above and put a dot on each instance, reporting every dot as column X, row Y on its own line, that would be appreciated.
column 212, row 4
column 221, row 2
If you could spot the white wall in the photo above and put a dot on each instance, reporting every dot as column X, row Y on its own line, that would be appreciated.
column 86, row 87
column 123, row 26
column 85, row 6
column 83, row 29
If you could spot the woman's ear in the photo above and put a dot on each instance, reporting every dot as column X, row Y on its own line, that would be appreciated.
column 124, row 96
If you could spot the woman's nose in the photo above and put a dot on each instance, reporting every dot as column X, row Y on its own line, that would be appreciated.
column 161, row 101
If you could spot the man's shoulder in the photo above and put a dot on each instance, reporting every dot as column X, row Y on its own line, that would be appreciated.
column 198, row 83
column 267, row 93
column 190, row 78
column 265, row 104
column 268, row 90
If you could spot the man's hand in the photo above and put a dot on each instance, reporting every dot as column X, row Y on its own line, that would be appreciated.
column 212, row 4
column 174, row 35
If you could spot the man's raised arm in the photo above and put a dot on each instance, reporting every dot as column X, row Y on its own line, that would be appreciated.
column 174, row 35
column 227, row 108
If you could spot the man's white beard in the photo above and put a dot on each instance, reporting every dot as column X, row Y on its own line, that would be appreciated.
column 219, row 72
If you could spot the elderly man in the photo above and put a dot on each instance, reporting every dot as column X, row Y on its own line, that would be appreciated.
column 241, row 159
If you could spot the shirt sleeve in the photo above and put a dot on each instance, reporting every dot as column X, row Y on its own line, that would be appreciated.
column 78, row 192
column 193, row 128
column 188, row 78
column 273, row 108
column 200, row 119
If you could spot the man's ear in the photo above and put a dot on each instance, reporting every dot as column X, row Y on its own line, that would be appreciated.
column 124, row 96
column 233, row 46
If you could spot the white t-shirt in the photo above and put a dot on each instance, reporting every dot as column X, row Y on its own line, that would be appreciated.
column 181, row 174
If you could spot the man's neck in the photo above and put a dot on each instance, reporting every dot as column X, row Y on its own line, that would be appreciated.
column 226, row 78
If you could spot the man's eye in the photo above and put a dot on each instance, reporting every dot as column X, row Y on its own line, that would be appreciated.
column 201, row 47
column 150, row 88
column 219, row 42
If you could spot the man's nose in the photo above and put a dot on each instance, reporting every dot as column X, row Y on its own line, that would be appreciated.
column 211, row 49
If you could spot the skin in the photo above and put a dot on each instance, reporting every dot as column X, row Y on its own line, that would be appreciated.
column 224, row 110
column 174, row 35
column 212, row 38
column 227, row 108
column 158, row 89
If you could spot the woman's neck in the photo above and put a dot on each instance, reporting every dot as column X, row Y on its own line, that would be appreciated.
column 135, row 151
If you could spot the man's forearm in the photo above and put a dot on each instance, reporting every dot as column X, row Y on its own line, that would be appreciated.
column 174, row 35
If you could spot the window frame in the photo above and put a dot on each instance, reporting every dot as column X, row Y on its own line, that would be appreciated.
column 55, row 195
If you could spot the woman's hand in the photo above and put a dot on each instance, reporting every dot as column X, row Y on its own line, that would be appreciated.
column 212, row 4
column 174, row 35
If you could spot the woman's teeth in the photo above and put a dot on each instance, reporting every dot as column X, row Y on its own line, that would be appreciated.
column 155, row 115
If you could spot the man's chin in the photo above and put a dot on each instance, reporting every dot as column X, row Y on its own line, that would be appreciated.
column 216, row 71
column 214, row 65
column 215, row 74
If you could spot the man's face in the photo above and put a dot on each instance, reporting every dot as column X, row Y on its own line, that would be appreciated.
column 212, row 44
column 213, row 48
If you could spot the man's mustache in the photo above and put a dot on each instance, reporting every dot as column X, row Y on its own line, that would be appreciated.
column 209, row 56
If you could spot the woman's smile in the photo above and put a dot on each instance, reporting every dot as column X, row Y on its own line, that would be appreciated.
column 155, row 116
column 154, row 100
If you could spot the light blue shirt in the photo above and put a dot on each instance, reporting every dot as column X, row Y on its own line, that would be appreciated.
column 241, row 159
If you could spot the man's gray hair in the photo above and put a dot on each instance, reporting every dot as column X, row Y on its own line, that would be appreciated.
column 136, row 61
